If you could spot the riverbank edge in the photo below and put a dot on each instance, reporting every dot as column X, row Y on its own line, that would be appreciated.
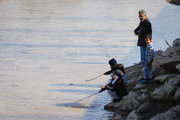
column 175, row 2
column 157, row 101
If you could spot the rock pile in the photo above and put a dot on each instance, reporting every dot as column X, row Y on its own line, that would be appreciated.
column 157, row 101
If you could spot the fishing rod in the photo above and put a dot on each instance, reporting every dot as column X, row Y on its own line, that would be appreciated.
column 94, row 78
column 86, row 97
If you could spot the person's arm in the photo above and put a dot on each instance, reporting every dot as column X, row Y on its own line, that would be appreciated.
column 136, row 31
column 108, row 72
column 108, row 87
column 103, row 88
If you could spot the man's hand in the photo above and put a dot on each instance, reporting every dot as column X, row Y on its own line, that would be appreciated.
column 105, row 73
column 102, row 89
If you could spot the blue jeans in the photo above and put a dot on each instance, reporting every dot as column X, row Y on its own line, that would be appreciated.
column 148, row 71
column 143, row 60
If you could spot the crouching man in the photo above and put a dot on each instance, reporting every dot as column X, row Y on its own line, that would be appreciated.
column 116, row 88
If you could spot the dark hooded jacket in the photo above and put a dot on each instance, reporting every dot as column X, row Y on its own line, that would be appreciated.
column 144, row 28
column 119, row 87
column 115, row 67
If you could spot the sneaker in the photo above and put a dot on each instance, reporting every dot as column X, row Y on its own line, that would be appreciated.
column 149, row 80
column 143, row 81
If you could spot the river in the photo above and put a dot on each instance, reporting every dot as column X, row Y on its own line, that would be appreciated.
column 48, row 48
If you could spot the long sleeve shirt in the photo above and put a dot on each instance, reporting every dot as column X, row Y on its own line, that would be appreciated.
column 149, row 52
column 144, row 28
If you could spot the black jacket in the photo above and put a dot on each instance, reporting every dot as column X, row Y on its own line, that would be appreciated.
column 144, row 28
column 117, row 66
column 119, row 87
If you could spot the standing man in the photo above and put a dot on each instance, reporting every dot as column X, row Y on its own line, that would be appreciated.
column 142, row 30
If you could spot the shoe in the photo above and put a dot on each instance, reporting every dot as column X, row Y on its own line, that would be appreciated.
column 143, row 81
column 149, row 80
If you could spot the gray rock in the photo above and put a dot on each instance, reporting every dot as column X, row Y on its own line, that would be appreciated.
column 139, row 86
column 176, row 54
column 175, row 81
column 167, row 90
column 132, row 101
column 143, row 97
column 132, row 72
column 117, row 117
column 157, row 70
column 133, row 116
column 158, row 54
column 176, row 49
column 172, row 114
column 131, row 82
column 177, row 94
column 164, row 78
column 178, row 67
column 176, row 43
column 129, row 102
column 144, row 107
column 171, row 57
column 175, row 2
column 168, row 52
column 110, row 106
column 169, row 63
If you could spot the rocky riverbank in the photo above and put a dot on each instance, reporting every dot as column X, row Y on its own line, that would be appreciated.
column 157, row 101
column 176, row 2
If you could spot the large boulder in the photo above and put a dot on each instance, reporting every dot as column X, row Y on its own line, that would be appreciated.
column 133, row 100
column 177, row 94
column 172, row 114
column 169, row 63
column 168, row 52
column 117, row 117
column 133, row 71
column 176, row 43
column 167, row 90
column 157, row 70
column 129, row 102
column 133, row 116
column 171, row 57
column 178, row 67
column 139, row 86
column 164, row 78
column 110, row 106
column 158, row 54
column 145, row 107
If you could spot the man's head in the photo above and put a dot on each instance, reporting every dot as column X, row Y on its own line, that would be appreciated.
column 148, row 39
column 112, row 62
column 142, row 15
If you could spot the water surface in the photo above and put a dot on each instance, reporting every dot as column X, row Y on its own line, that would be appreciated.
column 49, row 48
